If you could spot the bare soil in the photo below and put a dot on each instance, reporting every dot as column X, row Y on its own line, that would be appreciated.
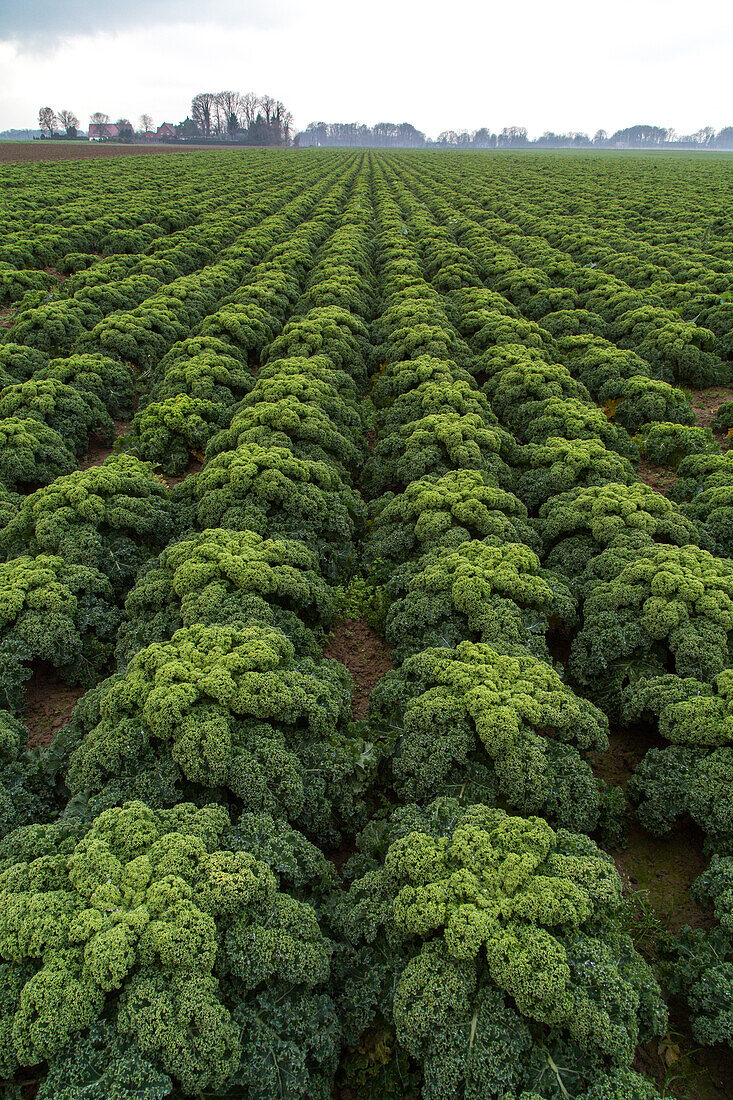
column 365, row 654
column 705, row 404
column 193, row 468
column 658, row 477
column 56, row 274
column 24, row 152
column 50, row 705
column 367, row 657
column 97, row 452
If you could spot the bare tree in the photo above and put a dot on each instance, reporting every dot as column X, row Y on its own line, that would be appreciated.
column 69, row 121
column 513, row 136
column 99, row 119
column 146, row 123
column 317, row 133
column 483, row 138
column 268, row 106
column 203, row 108
column 705, row 136
column 230, row 112
column 286, row 125
column 281, row 122
column 385, row 133
column 47, row 121
column 250, row 107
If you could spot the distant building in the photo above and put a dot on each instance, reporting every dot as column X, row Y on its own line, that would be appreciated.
column 166, row 130
column 103, row 131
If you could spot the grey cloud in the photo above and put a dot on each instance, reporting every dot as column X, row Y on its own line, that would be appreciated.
column 34, row 24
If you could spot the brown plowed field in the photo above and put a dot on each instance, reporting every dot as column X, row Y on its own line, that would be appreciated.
column 21, row 152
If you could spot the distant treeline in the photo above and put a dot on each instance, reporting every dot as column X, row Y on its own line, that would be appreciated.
column 405, row 136
column 252, row 119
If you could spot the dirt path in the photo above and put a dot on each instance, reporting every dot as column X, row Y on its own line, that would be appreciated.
column 705, row 404
column 657, row 477
column 50, row 705
column 97, row 452
column 364, row 653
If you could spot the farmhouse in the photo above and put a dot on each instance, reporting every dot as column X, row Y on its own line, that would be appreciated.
column 166, row 130
column 103, row 131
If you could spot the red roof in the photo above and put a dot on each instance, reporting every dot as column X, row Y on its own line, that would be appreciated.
column 103, row 130
column 166, row 129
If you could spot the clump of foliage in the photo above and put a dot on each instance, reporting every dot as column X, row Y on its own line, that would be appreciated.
column 301, row 427
column 649, row 608
column 645, row 400
column 700, row 472
column 230, row 711
column 602, row 367
column 307, row 389
column 574, row 322
column 52, row 610
column 516, row 380
column 274, row 493
column 20, row 361
column 692, row 775
column 318, row 367
column 109, row 380
column 414, row 338
column 435, row 444
column 432, row 397
column 705, row 487
column 54, row 326
column 441, row 511
column 723, row 419
column 152, row 951
column 681, row 350
column 577, row 525
column 112, row 517
column 667, row 444
column 558, row 465
column 502, row 726
column 229, row 578
column 492, row 945
column 26, row 795
column 171, row 432
column 74, row 415
column 31, row 453
column 480, row 591
column 569, row 418
column 394, row 379
column 697, row 966
column 340, row 335
column 208, row 376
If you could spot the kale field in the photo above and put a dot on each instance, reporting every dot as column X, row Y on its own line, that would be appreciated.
column 366, row 626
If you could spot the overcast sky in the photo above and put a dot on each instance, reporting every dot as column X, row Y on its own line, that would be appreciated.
column 568, row 65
